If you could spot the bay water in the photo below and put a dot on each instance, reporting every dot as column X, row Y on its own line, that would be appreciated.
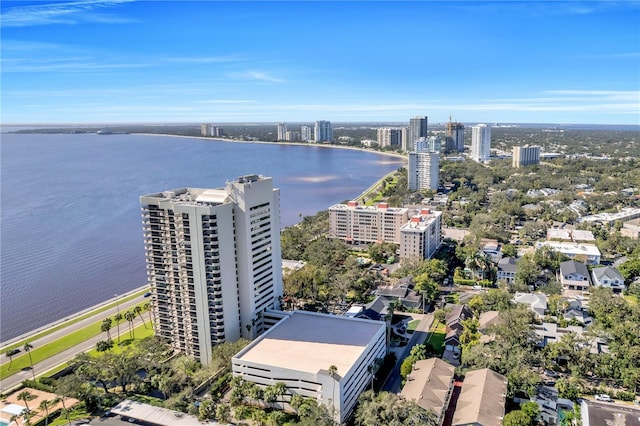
column 70, row 224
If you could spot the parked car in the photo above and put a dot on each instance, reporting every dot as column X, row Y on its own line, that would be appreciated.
column 603, row 397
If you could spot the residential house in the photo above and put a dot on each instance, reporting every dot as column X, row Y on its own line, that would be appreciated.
column 631, row 229
column 430, row 385
column 453, row 320
column 482, row 399
column 507, row 269
column 574, row 276
column 537, row 302
column 608, row 277
column 549, row 332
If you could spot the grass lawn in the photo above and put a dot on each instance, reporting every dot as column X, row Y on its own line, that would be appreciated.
column 21, row 343
column 52, row 348
column 436, row 337
column 139, row 332
column 413, row 325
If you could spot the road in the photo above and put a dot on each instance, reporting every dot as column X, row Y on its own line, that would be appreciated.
column 394, row 381
column 61, row 358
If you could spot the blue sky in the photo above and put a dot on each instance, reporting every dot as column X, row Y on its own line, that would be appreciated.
column 120, row 61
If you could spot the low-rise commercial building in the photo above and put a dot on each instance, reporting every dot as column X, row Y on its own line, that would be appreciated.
column 631, row 229
column 324, row 357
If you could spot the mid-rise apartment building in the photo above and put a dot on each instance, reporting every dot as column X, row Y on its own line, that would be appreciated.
column 525, row 156
column 213, row 261
column 423, row 170
column 422, row 235
column 354, row 223
column 390, row 136
column 481, row 142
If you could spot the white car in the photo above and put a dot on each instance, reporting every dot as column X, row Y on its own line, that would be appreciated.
column 603, row 397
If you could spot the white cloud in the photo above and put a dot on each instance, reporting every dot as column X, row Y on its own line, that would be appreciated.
column 258, row 75
column 67, row 13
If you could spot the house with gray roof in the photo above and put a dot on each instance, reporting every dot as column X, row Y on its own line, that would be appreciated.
column 574, row 276
column 507, row 269
column 608, row 277
column 537, row 302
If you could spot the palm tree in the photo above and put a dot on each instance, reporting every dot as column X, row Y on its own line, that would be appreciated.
column 104, row 345
column 130, row 317
column 106, row 326
column 147, row 308
column 118, row 317
column 25, row 396
column 138, row 310
column 10, row 353
column 280, row 390
column 333, row 371
column 27, row 348
column 44, row 405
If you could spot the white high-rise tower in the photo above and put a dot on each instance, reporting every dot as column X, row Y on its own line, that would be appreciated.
column 481, row 142
column 213, row 262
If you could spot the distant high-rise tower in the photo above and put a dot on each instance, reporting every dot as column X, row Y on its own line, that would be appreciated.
column 455, row 136
column 213, row 262
column 323, row 131
column 424, row 171
column 417, row 130
column 525, row 155
column 388, row 136
column 306, row 133
column 282, row 131
column 481, row 142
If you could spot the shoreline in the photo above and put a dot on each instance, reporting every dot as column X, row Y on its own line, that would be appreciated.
column 60, row 322
column 307, row 144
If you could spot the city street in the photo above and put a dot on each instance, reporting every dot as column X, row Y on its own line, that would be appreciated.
column 61, row 358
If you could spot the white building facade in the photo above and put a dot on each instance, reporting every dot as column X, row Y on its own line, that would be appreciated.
column 306, row 133
column 324, row 357
column 282, row 131
column 390, row 136
column 213, row 261
column 481, row 142
column 422, row 235
column 423, row 170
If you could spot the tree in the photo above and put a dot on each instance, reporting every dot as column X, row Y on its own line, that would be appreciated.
column 10, row 353
column 27, row 348
column 130, row 317
column 138, row 310
column 388, row 409
column 104, row 345
column 106, row 326
column 118, row 317
column 333, row 372
column 147, row 308
column 223, row 413
column 45, row 405
column 517, row 418
column 25, row 396
column 510, row 250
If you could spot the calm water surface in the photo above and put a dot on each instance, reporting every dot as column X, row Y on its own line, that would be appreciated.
column 70, row 225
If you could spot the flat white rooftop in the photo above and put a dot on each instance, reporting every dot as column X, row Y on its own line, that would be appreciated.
column 571, row 248
column 310, row 342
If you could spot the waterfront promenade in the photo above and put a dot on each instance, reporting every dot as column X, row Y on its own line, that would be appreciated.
column 93, row 315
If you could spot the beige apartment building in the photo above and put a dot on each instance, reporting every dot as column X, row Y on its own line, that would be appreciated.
column 213, row 262
column 422, row 235
column 354, row 223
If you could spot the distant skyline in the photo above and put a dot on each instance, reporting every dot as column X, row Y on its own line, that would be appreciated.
column 121, row 61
